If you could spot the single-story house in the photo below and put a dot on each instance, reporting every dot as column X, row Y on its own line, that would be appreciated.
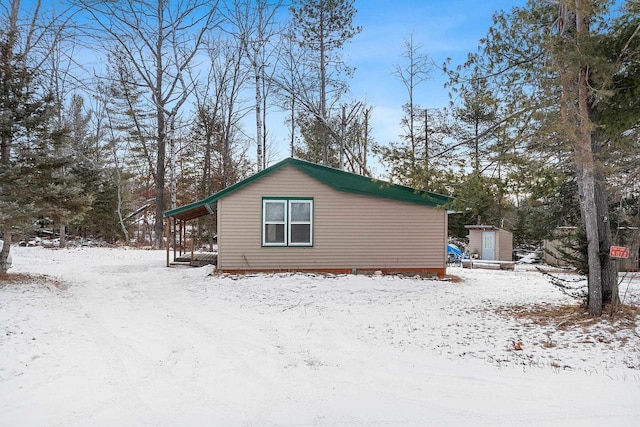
column 556, row 250
column 490, row 243
column 300, row 216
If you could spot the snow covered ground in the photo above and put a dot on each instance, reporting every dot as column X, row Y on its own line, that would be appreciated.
column 111, row 337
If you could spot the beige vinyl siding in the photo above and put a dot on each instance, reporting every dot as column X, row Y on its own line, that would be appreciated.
column 505, row 245
column 349, row 230
column 475, row 243
column 631, row 263
column 551, row 250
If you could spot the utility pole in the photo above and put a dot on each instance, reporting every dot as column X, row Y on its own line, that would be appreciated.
column 343, row 135
column 172, row 152
column 426, row 148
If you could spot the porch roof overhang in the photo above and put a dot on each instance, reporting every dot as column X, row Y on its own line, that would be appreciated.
column 193, row 210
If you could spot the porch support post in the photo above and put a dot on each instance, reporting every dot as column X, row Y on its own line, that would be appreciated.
column 193, row 245
column 167, row 232
column 181, row 234
column 174, row 238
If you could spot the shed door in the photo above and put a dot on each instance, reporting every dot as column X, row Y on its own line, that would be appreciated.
column 489, row 245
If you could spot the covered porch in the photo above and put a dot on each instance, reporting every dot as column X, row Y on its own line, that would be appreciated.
column 184, row 243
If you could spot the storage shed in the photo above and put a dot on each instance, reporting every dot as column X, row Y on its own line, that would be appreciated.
column 490, row 243
column 300, row 216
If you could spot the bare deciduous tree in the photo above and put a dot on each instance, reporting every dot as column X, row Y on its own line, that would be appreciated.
column 254, row 25
column 161, row 40
column 415, row 70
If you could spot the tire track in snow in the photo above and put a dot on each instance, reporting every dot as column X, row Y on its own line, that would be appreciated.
column 225, row 335
column 119, row 384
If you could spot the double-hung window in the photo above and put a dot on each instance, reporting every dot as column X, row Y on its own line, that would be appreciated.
column 300, row 213
column 274, row 220
column 287, row 222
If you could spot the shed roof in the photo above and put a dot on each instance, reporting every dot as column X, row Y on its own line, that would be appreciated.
column 481, row 227
column 335, row 178
column 486, row 227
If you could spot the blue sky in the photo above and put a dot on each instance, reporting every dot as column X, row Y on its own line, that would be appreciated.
column 445, row 29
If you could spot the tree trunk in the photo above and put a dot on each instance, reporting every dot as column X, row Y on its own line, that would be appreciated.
column 256, row 70
column 159, row 183
column 5, row 149
column 158, row 227
column 264, row 122
column 173, row 187
column 608, row 265
column 292, row 112
column 4, row 253
column 125, row 232
column 205, row 184
column 426, row 148
column 63, row 236
column 323, row 93
column 586, row 164
column 343, row 136
column 476, row 142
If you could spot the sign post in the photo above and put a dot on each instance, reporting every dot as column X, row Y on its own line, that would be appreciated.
column 619, row 252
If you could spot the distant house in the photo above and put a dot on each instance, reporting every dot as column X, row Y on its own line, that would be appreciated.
column 300, row 216
column 556, row 250
column 490, row 243
column 629, row 237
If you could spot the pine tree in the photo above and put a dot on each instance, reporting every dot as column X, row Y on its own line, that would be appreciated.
column 549, row 59
column 476, row 119
column 33, row 168
column 323, row 27
column 21, row 111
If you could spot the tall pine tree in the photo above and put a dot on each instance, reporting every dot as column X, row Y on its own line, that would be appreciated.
column 33, row 181
column 323, row 27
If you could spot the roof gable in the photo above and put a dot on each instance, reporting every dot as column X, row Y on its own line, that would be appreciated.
column 358, row 184
column 335, row 178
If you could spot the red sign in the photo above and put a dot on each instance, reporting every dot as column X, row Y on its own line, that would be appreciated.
column 619, row 252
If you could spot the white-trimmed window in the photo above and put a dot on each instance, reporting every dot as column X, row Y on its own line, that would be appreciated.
column 274, row 220
column 300, row 218
column 287, row 222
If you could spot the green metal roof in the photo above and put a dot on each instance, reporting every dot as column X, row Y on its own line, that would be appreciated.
column 335, row 178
